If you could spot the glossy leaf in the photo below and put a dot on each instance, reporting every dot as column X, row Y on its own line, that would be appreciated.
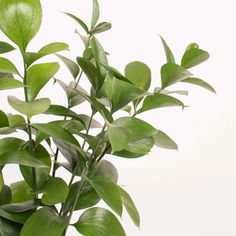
column 20, row 207
column 79, row 21
column 10, row 145
column 10, row 228
column 131, row 134
column 8, row 83
column 121, row 93
column 5, row 47
column 21, row 158
column 100, row 57
column 164, row 141
column 71, row 65
column 96, row 14
column 44, row 221
column 102, row 27
column 37, row 76
column 169, row 55
column 60, row 133
column 20, row 20
column 7, row 66
column 130, row 206
column 199, row 82
column 159, row 100
column 16, row 217
column 139, row 74
column 5, row 195
column 29, row 108
column 99, row 222
column 55, row 190
column 116, row 73
column 91, row 72
column 41, row 174
column 53, row 48
column 3, row 120
column 172, row 73
column 194, row 57
column 21, row 192
column 107, row 191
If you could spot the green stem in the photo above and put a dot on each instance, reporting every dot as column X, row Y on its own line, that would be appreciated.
column 83, row 181
column 31, row 144
column 1, row 229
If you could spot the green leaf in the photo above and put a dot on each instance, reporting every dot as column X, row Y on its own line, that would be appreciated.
column 7, row 66
column 131, row 134
column 21, row 192
column 71, row 65
column 20, row 20
column 100, row 57
column 53, row 48
column 139, row 74
column 5, row 47
column 159, row 100
column 74, row 98
column 91, row 72
column 55, row 191
column 21, row 158
column 101, row 27
column 172, row 73
column 199, row 82
column 16, row 217
column 29, row 108
column 8, row 83
column 37, row 76
column 121, row 93
column 164, row 141
column 5, row 195
column 107, row 169
column 96, row 14
column 41, row 174
column 31, row 57
column 165, row 91
column 169, row 55
column 194, row 57
column 57, row 132
column 130, row 206
column 81, row 23
column 10, row 145
column 44, row 221
column 99, row 222
column 116, row 73
column 10, row 228
column 3, row 120
column 108, row 192
column 20, row 207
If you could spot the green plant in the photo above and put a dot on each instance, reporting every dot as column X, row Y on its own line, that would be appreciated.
column 43, row 203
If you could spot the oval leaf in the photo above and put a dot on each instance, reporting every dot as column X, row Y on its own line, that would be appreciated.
column 20, row 20
column 29, row 108
column 139, row 74
column 108, row 191
column 55, row 190
column 37, row 76
column 99, row 222
column 9, row 83
column 194, row 57
column 172, row 73
column 96, row 14
column 45, row 221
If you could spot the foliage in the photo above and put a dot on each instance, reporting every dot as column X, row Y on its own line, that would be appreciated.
column 42, row 203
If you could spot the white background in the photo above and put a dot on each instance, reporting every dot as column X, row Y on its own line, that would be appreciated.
column 191, row 192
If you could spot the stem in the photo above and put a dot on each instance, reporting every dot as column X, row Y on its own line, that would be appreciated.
column 31, row 144
column 82, row 179
column 89, row 125
column 1, row 229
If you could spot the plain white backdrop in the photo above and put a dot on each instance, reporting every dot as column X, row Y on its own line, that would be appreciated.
column 191, row 192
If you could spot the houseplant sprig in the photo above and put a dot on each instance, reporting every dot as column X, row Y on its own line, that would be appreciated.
column 43, row 202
